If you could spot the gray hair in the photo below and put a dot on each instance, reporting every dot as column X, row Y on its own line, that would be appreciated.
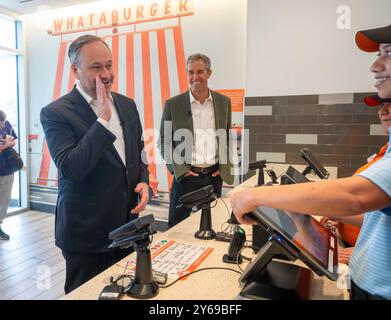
column 2, row 116
column 76, row 45
column 199, row 56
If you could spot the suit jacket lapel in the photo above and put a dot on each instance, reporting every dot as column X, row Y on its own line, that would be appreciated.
column 217, row 110
column 82, row 107
column 125, row 129
column 87, row 114
column 187, row 110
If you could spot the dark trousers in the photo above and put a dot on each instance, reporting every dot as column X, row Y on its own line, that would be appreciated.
column 81, row 267
column 184, row 186
column 356, row 293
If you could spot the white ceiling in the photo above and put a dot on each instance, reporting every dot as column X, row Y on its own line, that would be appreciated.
column 22, row 7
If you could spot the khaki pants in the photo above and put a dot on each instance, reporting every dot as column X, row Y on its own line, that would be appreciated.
column 5, row 194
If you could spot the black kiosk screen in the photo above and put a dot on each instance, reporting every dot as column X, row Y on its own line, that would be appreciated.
column 316, row 244
column 293, row 176
column 315, row 165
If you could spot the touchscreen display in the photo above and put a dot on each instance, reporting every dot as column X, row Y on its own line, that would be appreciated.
column 315, row 242
column 295, row 176
column 314, row 163
column 304, row 231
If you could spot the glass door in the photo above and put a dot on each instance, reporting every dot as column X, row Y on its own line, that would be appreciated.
column 12, row 99
column 9, row 105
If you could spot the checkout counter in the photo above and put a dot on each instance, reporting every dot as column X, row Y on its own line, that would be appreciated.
column 211, row 284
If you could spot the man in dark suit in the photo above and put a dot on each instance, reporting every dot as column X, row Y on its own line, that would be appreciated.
column 94, row 138
column 194, row 137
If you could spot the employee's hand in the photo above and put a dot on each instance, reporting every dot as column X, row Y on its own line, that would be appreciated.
column 241, row 203
column 142, row 190
column 216, row 173
column 103, row 103
column 344, row 254
column 191, row 173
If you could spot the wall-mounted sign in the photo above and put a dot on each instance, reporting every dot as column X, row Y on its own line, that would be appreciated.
column 143, row 12
column 236, row 96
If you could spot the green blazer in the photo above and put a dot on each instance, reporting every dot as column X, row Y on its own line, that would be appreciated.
column 174, row 142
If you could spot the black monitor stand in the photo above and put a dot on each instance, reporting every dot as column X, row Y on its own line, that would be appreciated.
column 260, row 165
column 202, row 199
column 143, row 286
column 265, row 279
column 260, row 237
column 205, row 232
column 261, row 176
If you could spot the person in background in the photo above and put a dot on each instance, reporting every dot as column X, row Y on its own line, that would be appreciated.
column 368, row 192
column 349, row 233
column 95, row 139
column 7, row 140
column 206, row 116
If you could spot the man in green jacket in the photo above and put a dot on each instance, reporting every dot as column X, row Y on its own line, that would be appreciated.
column 194, row 137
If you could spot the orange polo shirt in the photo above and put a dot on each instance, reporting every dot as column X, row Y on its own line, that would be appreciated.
column 349, row 233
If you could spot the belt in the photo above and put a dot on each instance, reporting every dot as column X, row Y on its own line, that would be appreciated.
column 206, row 170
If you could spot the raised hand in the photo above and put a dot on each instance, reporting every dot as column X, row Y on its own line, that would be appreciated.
column 103, row 103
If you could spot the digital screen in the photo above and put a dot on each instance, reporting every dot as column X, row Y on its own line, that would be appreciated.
column 295, row 176
column 306, row 233
column 314, row 163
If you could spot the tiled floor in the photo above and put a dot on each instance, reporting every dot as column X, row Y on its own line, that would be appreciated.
column 31, row 266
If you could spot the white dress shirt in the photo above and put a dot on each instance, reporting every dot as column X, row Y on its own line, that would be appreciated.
column 204, row 150
column 114, row 125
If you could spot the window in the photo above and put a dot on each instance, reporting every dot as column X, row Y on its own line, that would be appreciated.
column 11, row 91
column 8, row 33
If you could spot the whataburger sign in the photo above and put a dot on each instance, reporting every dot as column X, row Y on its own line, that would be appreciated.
column 153, row 10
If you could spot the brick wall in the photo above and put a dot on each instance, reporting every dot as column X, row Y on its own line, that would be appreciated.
column 340, row 130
